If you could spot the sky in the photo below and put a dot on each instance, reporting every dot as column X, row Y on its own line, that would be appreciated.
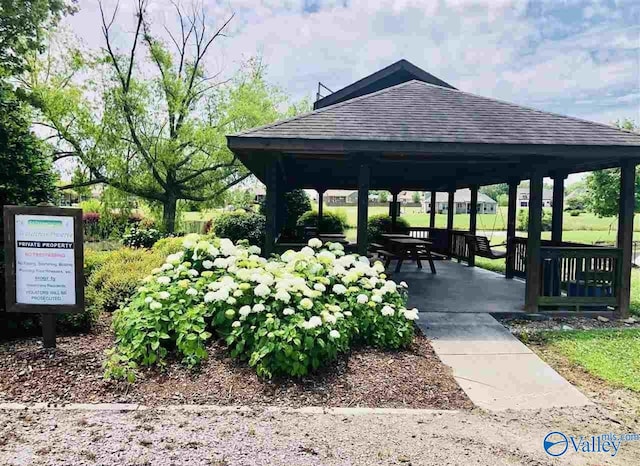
column 575, row 57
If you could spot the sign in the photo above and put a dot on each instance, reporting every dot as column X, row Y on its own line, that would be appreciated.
column 44, row 251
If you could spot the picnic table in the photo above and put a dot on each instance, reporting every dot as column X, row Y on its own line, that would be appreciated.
column 404, row 247
column 333, row 238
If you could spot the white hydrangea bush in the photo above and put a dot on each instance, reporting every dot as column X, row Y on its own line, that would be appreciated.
column 286, row 315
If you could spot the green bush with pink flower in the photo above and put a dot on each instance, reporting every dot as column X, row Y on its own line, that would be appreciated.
column 287, row 315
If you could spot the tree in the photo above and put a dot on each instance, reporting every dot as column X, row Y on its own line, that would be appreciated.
column 494, row 191
column 415, row 197
column 22, row 29
column 152, row 122
column 603, row 186
column 383, row 196
column 26, row 176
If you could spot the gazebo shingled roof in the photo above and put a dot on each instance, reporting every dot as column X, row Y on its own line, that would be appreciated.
column 443, row 138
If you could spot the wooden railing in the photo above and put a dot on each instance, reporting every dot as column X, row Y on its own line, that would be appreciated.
column 520, row 252
column 579, row 276
column 450, row 243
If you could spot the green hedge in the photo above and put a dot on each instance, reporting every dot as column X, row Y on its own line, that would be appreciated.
column 331, row 222
column 381, row 223
column 241, row 225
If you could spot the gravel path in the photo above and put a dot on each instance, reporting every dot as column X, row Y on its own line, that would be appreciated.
column 175, row 438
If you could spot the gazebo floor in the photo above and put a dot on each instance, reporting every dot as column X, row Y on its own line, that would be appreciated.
column 458, row 288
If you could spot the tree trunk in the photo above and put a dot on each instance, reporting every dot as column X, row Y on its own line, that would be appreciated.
column 169, row 214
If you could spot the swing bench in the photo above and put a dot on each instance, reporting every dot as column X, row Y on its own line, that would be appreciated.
column 479, row 246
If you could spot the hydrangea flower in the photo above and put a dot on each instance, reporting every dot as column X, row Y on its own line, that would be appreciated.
column 262, row 290
column 315, row 243
column 334, row 334
column 362, row 298
column 387, row 311
column 207, row 264
column 306, row 303
column 164, row 280
column 339, row 289
column 192, row 292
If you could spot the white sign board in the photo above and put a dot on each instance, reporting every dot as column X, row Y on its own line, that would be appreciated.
column 44, row 255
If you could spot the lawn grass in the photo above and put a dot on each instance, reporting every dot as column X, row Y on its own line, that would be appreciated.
column 610, row 354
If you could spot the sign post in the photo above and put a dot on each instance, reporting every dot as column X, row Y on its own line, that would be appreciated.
column 44, row 263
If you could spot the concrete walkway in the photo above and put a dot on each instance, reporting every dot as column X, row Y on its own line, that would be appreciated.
column 494, row 368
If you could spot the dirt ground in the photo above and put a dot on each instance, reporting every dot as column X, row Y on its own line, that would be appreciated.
column 177, row 438
column 413, row 378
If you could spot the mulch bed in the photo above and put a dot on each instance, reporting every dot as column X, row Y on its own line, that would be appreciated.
column 413, row 378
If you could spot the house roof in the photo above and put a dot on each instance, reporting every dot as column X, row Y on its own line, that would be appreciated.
column 339, row 192
column 396, row 73
column 421, row 112
column 461, row 195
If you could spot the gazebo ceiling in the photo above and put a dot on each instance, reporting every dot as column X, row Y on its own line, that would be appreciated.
column 417, row 135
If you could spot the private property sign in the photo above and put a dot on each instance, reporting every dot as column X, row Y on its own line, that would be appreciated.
column 44, row 251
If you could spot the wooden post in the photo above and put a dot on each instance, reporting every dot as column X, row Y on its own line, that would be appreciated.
column 320, row 205
column 363, row 208
column 512, row 209
column 625, row 233
column 451, row 206
column 271, row 209
column 473, row 220
column 450, row 211
column 48, row 330
column 432, row 212
column 534, row 267
column 557, row 208
column 394, row 210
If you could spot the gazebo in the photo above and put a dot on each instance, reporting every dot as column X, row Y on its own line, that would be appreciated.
column 402, row 128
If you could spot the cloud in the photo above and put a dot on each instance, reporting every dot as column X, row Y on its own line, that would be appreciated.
column 576, row 57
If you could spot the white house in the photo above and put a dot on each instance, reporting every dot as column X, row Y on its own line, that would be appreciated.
column 462, row 202
column 523, row 197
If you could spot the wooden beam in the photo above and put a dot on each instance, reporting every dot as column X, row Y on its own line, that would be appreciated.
column 432, row 211
column 271, row 209
column 363, row 208
column 625, row 233
column 534, row 268
column 557, row 208
column 394, row 211
column 512, row 209
column 473, row 220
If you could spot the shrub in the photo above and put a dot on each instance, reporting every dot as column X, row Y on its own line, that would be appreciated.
column 523, row 220
column 118, row 277
column 168, row 245
column 287, row 315
column 91, row 225
column 381, row 223
column 241, row 225
column 93, row 260
column 331, row 222
column 139, row 237
column 296, row 203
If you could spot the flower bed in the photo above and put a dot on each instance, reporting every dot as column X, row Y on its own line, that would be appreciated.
column 287, row 315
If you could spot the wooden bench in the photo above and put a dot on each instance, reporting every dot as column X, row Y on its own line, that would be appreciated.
column 388, row 257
